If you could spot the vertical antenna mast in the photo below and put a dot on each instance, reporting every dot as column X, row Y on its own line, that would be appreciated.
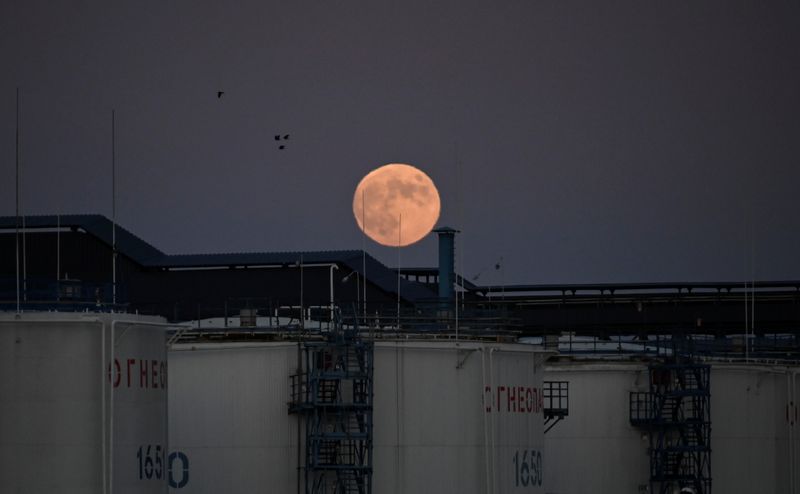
column 113, row 214
column 24, row 261
column 364, row 250
column 399, row 244
column 20, row 211
column 752, row 280
column 460, row 221
column 16, row 232
column 58, row 257
column 746, row 327
column 302, row 315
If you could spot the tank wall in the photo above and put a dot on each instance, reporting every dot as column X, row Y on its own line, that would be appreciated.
column 56, row 407
column 229, row 419
column 415, row 431
column 436, row 410
column 139, row 376
column 595, row 449
column 794, row 421
column 751, row 435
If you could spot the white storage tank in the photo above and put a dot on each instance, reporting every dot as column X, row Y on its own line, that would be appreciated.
column 82, row 403
column 229, row 426
column 596, row 439
column 448, row 418
column 754, row 438
column 458, row 418
column 754, row 434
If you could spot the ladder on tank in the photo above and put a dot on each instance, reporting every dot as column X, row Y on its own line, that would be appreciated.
column 333, row 396
column 676, row 413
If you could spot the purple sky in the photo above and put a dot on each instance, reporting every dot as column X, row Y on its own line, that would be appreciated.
column 579, row 141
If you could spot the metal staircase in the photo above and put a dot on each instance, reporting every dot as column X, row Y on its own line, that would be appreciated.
column 333, row 395
column 556, row 403
column 676, row 413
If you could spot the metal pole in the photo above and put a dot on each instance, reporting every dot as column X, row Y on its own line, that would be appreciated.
column 19, row 198
column 333, row 266
column 493, row 421
column 16, row 228
column 24, row 263
column 364, row 250
column 298, row 391
column 111, row 414
column 302, row 312
column 399, row 243
column 113, row 215
column 746, row 329
column 485, row 422
column 58, row 257
column 103, row 405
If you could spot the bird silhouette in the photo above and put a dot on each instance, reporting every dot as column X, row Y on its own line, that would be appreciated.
column 285, row 137
column 219, row 94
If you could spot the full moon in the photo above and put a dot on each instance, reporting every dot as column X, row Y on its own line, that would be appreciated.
column 396, row 205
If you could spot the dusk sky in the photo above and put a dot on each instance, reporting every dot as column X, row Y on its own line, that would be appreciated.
column 579, row 141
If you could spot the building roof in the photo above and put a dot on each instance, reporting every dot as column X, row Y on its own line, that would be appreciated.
column 97, row 225
column 148, row 256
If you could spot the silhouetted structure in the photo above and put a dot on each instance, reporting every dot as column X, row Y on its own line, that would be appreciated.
column 69, row 265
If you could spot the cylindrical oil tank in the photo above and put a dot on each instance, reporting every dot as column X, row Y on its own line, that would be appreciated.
column 754, row 445
column 752, row 428
column 83, row 404
column 229, row 426
column 448, row 417
column 595, row 449
column 458, row 418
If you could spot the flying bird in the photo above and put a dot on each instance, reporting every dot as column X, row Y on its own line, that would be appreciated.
column 219, row 94
column 285, row 137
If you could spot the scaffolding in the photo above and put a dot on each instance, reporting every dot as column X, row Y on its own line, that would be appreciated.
column 332, row 393
column 676, row 413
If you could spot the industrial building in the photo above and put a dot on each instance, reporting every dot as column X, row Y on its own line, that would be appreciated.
column 305, row 372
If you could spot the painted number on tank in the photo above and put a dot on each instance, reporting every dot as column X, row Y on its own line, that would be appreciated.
column 178, row 464
column 151, row 462
column 528, row 468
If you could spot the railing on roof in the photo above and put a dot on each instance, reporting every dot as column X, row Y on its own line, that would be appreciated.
column 44, row 294
column 770, row 347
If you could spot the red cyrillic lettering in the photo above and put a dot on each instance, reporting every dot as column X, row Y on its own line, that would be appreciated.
column 154, row 373
column 114, row 373
column 142, row 373
column 131, row 361
column 117, row 372
column 512, row 398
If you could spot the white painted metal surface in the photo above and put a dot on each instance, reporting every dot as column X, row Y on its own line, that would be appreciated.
column 450, row 419
column 229, row 418
column 754, row 438
column 82, row 404
column 595, row 449
column 751, row 433
column 445, row 418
